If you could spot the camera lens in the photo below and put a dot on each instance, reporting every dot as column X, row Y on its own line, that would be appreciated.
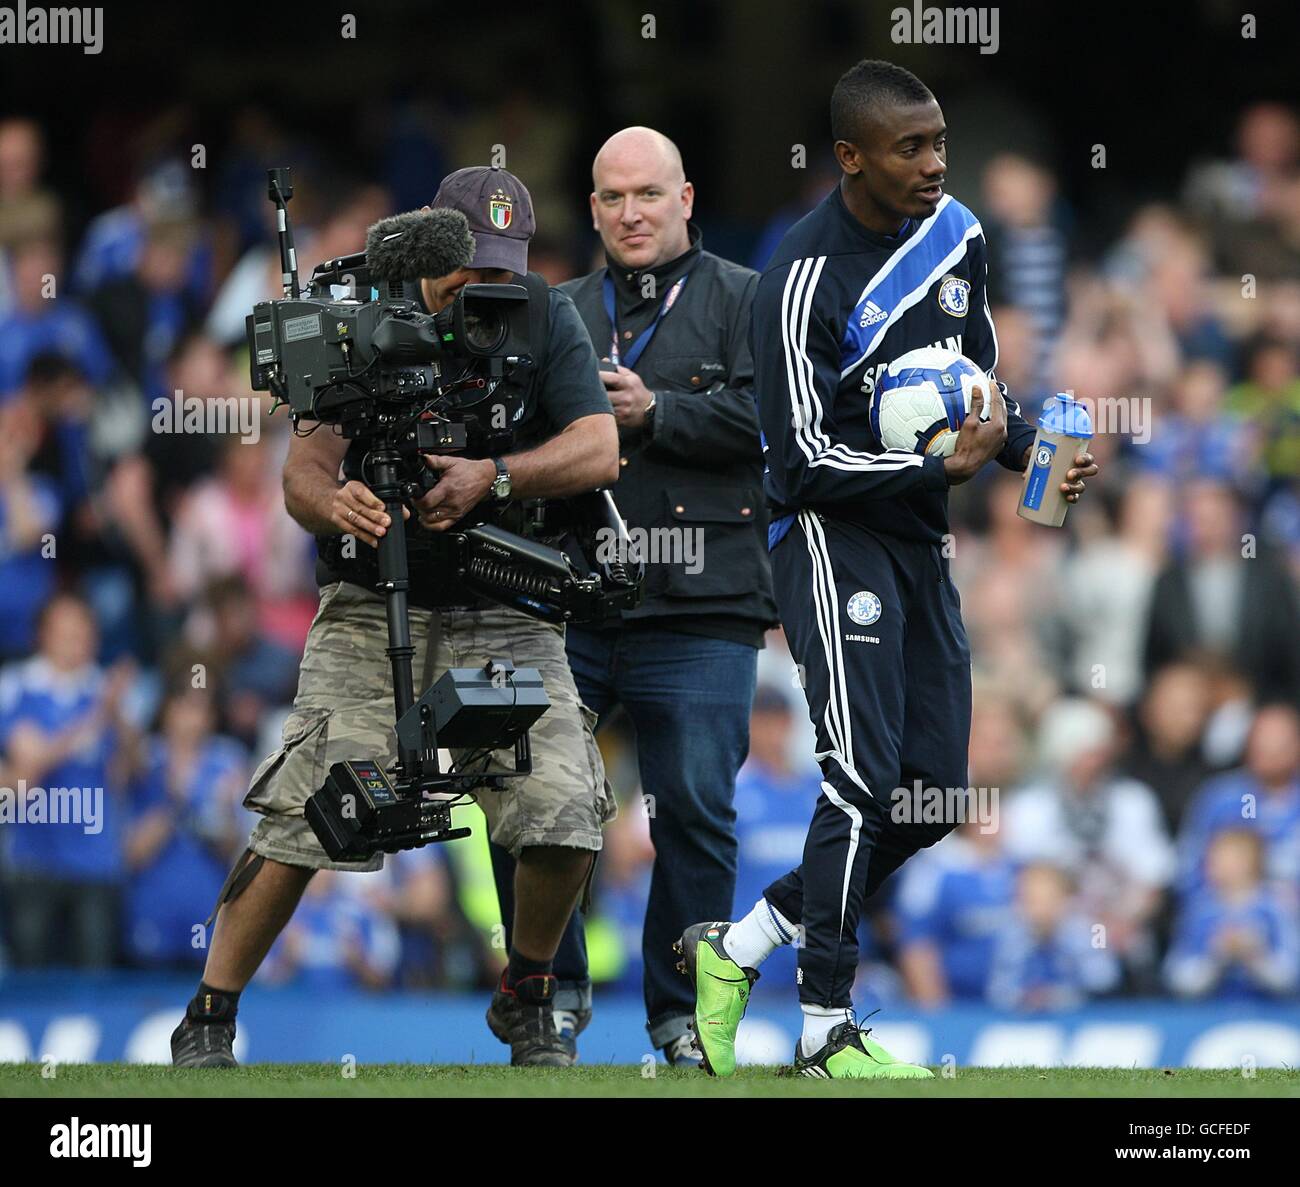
column 485, row 327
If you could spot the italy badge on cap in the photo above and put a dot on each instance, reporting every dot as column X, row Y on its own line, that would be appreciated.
column 500, row 209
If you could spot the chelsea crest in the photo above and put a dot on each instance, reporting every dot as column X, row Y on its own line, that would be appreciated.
column 864, row 607
column 954, row 296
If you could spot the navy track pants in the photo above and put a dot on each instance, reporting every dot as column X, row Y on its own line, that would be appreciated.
column 875, row 624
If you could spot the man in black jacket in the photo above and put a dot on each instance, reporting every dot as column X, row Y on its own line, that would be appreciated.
column 670, row 323
column 1221, row 602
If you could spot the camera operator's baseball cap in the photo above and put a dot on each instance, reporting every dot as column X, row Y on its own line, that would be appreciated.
column 500, row 213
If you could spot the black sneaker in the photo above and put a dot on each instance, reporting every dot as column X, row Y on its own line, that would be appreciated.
column 524, row 1017
column 203, row 1044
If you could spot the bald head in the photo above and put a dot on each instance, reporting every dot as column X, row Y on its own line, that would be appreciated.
column 639, row 147
column 641, row 201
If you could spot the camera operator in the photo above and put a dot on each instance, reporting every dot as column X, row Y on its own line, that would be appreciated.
column 671, row 321
column 550, row 820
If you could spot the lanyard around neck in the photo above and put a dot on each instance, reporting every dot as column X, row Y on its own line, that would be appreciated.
column 635, row 351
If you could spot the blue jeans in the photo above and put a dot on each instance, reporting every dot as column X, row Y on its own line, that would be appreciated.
column 688, row 698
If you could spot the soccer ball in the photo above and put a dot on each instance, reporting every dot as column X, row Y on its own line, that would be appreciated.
column 922, row 398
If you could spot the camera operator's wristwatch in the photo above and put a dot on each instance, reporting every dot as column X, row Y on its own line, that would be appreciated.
column 501, row 484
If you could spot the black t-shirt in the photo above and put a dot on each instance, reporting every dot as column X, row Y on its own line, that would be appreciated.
column 561, row 385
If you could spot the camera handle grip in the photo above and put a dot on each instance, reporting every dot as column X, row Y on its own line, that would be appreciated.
column 416, row 488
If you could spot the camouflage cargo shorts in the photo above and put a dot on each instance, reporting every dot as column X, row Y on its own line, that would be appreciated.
column 344, row 709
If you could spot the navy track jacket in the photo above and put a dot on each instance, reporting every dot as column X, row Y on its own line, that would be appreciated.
column 836, row 305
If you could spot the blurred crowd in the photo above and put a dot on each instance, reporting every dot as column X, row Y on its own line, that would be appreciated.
column 1137, row 675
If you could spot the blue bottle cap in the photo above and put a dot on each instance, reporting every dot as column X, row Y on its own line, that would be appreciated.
column 1063, row 414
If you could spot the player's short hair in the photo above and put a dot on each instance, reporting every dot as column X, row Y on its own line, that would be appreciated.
column 868, row 86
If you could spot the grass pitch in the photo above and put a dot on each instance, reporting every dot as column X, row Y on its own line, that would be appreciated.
column 418, row 1080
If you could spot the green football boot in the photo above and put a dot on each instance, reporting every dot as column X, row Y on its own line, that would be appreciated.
column 721, row 993
column 850, row 1055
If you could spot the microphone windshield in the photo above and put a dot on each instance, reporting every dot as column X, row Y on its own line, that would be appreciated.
column 419, row 243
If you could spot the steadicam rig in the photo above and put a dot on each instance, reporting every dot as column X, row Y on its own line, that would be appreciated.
column 371, row 363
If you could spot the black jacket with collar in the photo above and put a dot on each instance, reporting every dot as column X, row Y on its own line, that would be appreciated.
column 700, row 465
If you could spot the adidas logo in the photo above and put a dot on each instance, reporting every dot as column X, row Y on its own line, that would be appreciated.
column 871, row 314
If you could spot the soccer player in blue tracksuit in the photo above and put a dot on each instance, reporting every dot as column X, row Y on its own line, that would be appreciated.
column 886, row 264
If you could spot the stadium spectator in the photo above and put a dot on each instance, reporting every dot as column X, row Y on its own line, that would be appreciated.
column 253, row 672
column 1018, row 359
column 1243, row 200
column 30, row 510
column 114, row 241
column 146, row 311
column 1195, row 434
column 1011, row 594
column 22, row 161
column 1028, row 249
column 952, row 904
column 184, row 830
column 415, row 891
column 236, row 522
column 77, row 452
column 1166, row 753
column 1177, row 289
column 1268, row 401
column 43, row 318
column 1110, row 577
column 812, row 189
column 335, row 941
column 1225, row 598
column 58, row 392
column 1236, row 937
column 954, row 898
column 776, row 792
column 542, row 136
column 345, row 213
column 1103, row 828
column 414, row 153
column 777, row 669
column 148, row 485
column 256, row 143
column 1118, row 341
column 613, row 930
column 27, row 209
column 1262, row 796
column 67, row 744
column 1044, row 956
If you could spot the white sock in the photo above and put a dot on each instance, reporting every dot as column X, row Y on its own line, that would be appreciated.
column 758, row 935
column 818, row 1022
